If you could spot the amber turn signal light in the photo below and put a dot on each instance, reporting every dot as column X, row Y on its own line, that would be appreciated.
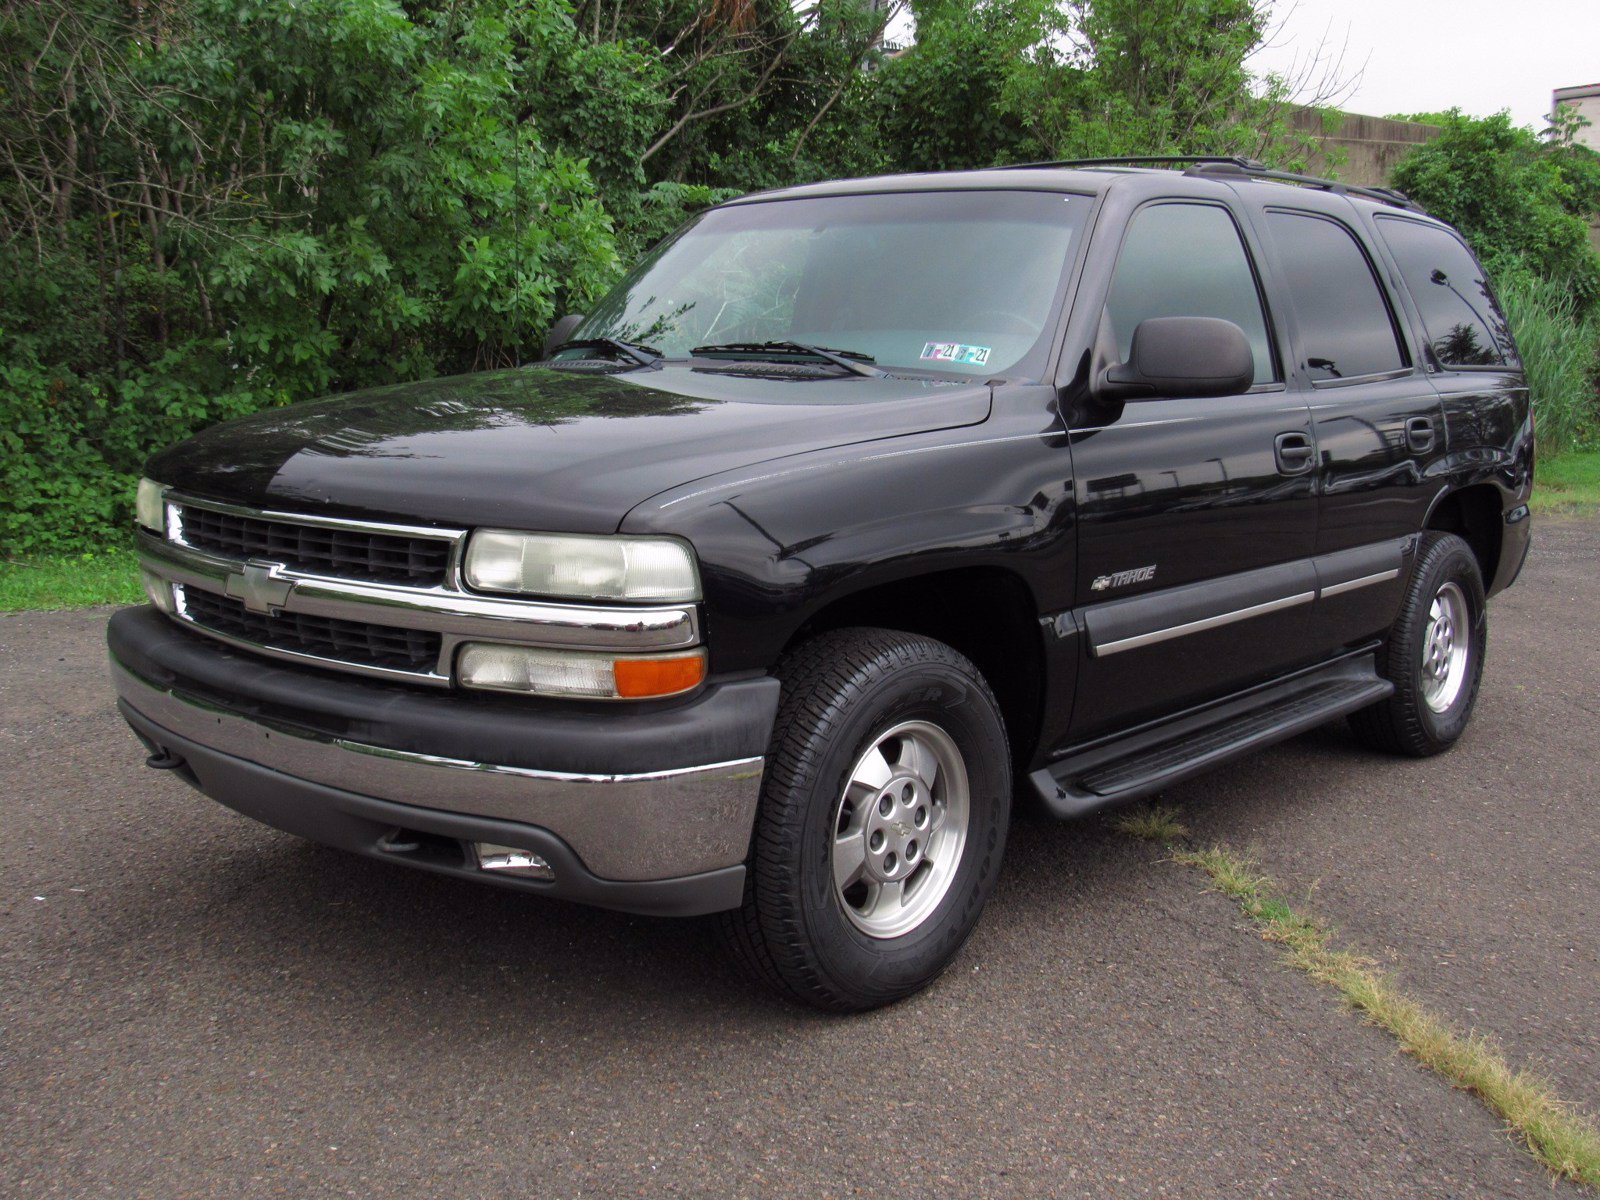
column 639, row 678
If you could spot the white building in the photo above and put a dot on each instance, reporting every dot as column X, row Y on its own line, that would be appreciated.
column 1586, row 99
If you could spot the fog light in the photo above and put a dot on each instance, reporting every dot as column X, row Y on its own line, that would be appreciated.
column 535, row 671
column 510, row 860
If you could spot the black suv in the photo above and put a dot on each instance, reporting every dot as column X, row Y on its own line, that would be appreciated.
column 852, row 511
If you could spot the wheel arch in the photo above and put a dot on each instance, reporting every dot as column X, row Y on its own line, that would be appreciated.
column 987, row 614
column 1475, row 514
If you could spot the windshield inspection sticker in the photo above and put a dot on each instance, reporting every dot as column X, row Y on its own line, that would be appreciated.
column 978, row 356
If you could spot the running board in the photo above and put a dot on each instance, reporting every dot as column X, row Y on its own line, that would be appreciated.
column 1151, row 759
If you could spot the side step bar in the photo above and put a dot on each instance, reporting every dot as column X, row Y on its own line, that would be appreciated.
column 1148, row 760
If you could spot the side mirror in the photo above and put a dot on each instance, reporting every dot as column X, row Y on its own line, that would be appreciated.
column 561, row 332
column 1181, row 356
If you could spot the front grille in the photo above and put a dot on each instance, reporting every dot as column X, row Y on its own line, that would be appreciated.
column 316, row 550
column 354, row 642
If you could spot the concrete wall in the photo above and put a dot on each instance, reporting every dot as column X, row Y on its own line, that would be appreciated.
column 1371, row 145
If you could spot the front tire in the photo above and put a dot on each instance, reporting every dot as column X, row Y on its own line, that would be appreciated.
column 1434, row 655
column 883, row 820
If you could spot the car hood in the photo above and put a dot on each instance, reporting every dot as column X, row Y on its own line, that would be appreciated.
column 543, row 448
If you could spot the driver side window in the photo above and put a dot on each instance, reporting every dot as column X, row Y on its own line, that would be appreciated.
column 1187, row 260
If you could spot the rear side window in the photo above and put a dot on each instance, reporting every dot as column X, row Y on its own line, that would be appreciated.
column 1345, row 323
column 1186, row 260
column 1465, row 325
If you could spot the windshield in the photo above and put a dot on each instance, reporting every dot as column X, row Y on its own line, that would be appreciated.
column 953, row 282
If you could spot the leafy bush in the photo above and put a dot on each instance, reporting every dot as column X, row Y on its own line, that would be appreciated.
column 256, row 202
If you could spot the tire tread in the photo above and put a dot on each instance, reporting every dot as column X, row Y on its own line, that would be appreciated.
column 1397, row 725
column 819, row 677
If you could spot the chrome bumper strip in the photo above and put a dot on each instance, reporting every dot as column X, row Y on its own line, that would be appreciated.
column 658, row 825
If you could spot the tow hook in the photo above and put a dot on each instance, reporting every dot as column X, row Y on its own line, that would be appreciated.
column 164, row 760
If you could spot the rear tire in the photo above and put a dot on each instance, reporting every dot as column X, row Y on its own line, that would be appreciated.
column 1434, row 655
column 882, row 823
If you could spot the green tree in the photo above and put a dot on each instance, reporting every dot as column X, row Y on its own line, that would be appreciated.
column 1122, row 77
column 942, row 105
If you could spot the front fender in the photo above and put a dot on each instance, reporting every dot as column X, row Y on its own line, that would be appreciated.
column 780, row 543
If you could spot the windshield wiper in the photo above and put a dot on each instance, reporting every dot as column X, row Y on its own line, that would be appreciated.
column 645, row 356
column 850, row 360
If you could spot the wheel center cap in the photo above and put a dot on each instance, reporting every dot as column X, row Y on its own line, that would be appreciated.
column 896, row 829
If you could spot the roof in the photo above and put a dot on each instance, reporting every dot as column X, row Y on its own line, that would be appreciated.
column 1084, row 176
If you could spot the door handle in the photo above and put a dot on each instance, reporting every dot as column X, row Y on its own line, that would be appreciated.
column 1419, row 434
column 1294, row 453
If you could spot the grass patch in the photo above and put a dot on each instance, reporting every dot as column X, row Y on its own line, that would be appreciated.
column 1562, row 1138
column 1567, row 483
column 1151, row 823
column 70, row 580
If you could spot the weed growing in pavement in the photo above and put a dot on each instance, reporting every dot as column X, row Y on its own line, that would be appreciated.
column 1564, row 1139
column 1151, row 823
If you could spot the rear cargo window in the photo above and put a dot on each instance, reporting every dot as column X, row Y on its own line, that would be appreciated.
column 1465, row 325
column 1346, row 327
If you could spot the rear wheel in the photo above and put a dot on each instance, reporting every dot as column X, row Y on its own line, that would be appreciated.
column 883, row 819
column 1434, row 655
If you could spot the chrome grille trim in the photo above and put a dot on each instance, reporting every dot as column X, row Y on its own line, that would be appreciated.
column 443, row 610
column 446, row 609
column 361, row 642
column 177, row 500
column 182, row 615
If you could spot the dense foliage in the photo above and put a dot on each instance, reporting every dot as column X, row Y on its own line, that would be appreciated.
column 212, row 206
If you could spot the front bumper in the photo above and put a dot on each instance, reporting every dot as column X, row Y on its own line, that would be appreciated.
column 648, row 810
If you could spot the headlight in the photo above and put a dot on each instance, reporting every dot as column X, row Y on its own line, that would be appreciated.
column 149, row 506
column 581, row 568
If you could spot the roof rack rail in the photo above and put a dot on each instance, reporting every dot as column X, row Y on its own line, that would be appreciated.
column 1229, row 164
column 1258, row 171
column 1133, row 160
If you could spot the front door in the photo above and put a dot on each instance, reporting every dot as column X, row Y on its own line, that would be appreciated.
column 1197, row 516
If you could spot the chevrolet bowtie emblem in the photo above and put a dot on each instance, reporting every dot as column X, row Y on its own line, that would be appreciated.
column 259, row 587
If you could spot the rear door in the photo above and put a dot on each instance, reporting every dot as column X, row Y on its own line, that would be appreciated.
column 1197, row 516
column 1377, row 418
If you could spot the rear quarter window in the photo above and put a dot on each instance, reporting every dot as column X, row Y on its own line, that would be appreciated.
column 1463, row 320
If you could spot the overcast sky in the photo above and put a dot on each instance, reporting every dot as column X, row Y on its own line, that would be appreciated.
column 1427, row 55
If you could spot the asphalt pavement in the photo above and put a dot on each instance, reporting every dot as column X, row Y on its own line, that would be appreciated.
column 195, row 1005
